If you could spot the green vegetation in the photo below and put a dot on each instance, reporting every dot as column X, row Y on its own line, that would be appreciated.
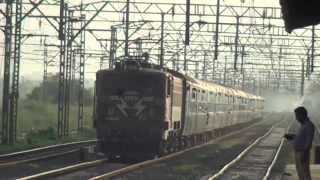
column 45, row 137
column 48, row 91
column 37, row 117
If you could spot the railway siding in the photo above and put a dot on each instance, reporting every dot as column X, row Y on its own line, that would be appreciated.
column 42, row 151
column 194, row 163
column 24, row 163
column 256, row 162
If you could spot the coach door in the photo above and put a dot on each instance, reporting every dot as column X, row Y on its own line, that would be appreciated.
column 211, row 108
column 169, row 101
column 176, row 102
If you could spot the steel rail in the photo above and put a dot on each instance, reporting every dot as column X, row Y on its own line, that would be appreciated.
column 4, row 156
column 276, row 156
column 129, row 168
column 65, row 170
column 243, row 153
column 27, row 156
column 13, row 163
column 273, row 161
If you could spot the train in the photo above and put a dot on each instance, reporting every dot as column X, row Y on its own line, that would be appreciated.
column 145, row 111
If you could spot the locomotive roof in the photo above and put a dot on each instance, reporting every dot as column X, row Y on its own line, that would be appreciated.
column 146, row 70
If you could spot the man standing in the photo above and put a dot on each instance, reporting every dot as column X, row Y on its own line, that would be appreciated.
column 302, row 142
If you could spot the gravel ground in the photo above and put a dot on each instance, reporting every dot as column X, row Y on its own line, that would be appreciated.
column 203, row 161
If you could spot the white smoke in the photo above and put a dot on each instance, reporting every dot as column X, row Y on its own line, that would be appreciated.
column 280, row 101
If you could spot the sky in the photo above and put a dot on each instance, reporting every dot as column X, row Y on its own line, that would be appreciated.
column 34, row 70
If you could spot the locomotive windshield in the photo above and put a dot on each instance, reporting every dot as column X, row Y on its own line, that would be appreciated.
column 131, row 95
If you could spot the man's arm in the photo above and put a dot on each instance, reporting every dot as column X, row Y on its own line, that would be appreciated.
column 289, row 136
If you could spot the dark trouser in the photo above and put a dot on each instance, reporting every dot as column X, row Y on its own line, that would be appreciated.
column 303, row 164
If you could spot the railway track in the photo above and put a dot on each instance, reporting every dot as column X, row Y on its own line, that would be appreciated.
column 42, row 153
column 42, row 159
column 256, row 161
column 102, row 169
column 124, row 172
column 105, row 170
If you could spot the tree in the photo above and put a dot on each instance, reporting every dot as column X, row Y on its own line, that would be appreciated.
column 48, row 91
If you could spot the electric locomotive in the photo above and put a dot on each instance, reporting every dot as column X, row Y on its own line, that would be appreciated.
column 143, row 111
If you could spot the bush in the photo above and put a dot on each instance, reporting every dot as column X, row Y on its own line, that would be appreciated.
column 48, row 91
column 35, row 137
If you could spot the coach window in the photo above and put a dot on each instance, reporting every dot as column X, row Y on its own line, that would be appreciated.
column 203, row 95
column 194, row 94
column 247, row 104
column 253, row 104
column 169, row 86
column 223, row 104
column 207, row 96
column 188, row 93
column 211, row 97
column 221, row 98
column 238, row 103
column 210, row 100
column 241, row 103
column 227, row 99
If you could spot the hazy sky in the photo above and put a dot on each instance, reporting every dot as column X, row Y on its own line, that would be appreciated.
column 35, row 69
column 273, row 3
